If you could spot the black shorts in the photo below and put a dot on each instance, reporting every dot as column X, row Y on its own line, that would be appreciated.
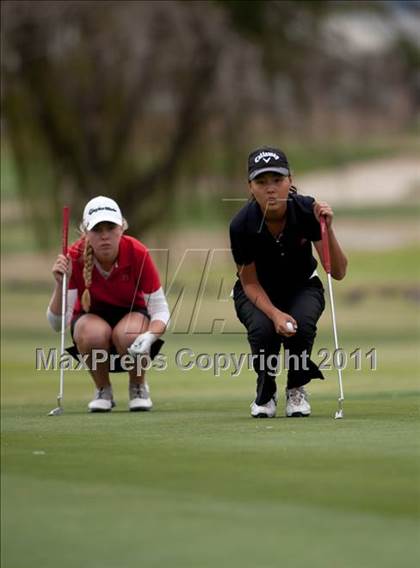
column 112, row 317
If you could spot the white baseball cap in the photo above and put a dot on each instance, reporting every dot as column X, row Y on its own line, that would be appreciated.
column 101, row 209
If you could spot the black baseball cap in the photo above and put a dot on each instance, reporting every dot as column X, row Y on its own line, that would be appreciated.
column 267, row 159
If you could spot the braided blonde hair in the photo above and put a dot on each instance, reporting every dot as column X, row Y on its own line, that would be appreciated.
column 87, row 275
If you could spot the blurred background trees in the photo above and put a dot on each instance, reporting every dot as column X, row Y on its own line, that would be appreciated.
column 154, row 102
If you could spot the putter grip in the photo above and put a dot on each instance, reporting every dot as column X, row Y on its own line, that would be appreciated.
column 325, row 245
column 65, row 241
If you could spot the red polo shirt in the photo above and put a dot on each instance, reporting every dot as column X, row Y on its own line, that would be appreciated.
column 134, row 274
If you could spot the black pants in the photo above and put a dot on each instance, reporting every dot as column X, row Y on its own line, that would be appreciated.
column 305, row 305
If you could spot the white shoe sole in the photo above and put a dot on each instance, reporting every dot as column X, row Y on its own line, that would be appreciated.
column 141, row 406
column 297, row 415
column 262, row 415
column 98, row 409
column 264, row 412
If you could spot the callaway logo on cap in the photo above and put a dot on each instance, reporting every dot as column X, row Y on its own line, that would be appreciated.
column 267, row 159
column 101, row 209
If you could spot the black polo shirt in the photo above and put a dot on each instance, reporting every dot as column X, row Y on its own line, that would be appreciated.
column 285, row 263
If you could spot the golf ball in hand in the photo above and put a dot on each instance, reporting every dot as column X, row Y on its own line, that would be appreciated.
column 290, row 326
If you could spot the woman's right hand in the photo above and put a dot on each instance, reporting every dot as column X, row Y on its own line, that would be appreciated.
column 62, row 265
column 284, row 324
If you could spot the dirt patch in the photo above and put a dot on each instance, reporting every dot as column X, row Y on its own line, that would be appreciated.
column 377, row 234
column 377, row 182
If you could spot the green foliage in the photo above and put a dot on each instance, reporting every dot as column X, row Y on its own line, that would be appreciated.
column 255, row 18
column 410, row 53
column 80, row 117
column 288, row 31
column 183, row 93
column 246, row 16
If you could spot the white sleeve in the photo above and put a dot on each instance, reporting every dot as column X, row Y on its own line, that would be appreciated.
column 157, row 306
column 54, row 320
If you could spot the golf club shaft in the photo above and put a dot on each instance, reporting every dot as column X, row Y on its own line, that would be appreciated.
column 330, row 289
column 63, row 335
column 63, row 302
column 327, row 266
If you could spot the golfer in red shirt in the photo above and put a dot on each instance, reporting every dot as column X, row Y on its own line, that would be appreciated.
column 115, row 302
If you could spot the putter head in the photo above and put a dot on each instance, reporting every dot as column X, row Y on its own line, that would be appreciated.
column 56, row 411
column 339, row 414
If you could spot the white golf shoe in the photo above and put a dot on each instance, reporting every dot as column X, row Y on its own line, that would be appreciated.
column 267, row 410
column 297, row 403
column 103, row 401
column 139, row 397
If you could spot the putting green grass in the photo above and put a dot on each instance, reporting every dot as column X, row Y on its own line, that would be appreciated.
column 198, row 483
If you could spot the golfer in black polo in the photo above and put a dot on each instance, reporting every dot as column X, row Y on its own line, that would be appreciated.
column 278, row 295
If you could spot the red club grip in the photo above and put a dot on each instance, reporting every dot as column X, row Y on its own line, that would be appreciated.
column 66, row 215
column 325, row 245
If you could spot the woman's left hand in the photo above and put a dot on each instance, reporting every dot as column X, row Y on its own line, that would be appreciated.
column 321, row 208
column 142, row 344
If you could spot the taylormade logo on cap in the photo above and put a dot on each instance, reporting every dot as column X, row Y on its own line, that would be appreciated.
column 91, row 211
column 101, row 209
